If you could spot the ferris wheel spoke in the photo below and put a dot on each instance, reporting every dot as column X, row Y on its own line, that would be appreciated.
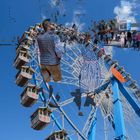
column 70, row 100
column 75, row 49
column 66, row 72
column 67, row 82
column 89, row 121
column 69, row 79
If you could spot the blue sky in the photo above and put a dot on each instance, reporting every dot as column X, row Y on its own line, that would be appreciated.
column 16, row 17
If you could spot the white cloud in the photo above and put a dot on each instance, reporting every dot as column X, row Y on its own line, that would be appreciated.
column 59, row 5
column 43, row 16
column 126, row 10
column 54, row 2
column 76, row 19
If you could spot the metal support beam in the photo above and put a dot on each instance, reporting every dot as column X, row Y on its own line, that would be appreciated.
column 128, row 95
column 120, row 132
column 8, row 44
column 91, row 135
column 56, row 122
column 102, row 87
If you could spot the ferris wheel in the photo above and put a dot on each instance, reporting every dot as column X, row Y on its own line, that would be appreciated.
column 90, row 86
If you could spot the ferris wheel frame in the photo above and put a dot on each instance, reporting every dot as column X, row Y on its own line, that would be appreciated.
column 117, row 86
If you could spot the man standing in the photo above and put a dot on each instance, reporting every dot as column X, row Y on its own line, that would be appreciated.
column 138, row 40
column 49, row 59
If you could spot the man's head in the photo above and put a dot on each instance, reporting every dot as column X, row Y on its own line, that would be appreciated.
column 46, row 24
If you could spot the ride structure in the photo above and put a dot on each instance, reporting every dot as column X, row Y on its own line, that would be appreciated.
column 109, row 93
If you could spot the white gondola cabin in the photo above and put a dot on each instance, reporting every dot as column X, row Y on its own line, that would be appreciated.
column 24, row 75
column 107, row 58
column 114, row 64
column 59, row 135
column 127, row 77
column 22, row 58
column 29, row 95
column 40, row 118
column 29, row 38
column 101, row 52
column 133, row 84
column 22, row 47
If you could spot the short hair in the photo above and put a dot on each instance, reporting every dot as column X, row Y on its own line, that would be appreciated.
column 45, row 22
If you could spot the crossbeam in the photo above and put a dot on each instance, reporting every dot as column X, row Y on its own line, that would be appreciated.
column 128, row 95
